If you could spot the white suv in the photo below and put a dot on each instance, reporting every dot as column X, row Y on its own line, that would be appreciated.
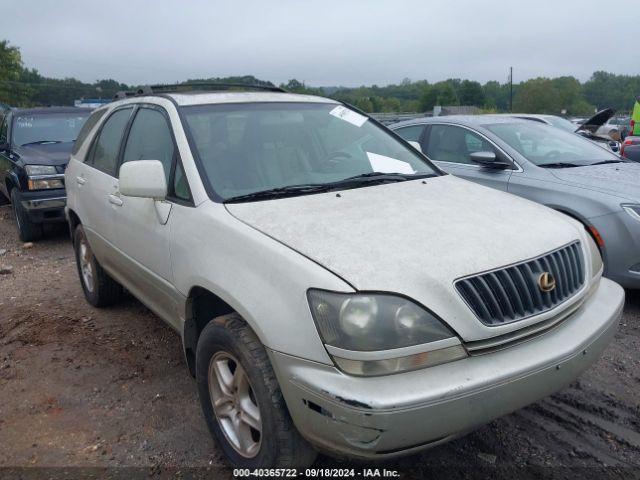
column 333, row 289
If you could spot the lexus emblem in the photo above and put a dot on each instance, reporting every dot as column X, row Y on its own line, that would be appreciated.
column 546, row 282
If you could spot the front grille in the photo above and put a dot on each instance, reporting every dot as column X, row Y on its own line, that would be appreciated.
column 512, row 293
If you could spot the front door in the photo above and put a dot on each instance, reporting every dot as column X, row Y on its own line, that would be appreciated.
column 143, row 224
column 450, row 146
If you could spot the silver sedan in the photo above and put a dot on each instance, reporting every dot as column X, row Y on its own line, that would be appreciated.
column 549, row 166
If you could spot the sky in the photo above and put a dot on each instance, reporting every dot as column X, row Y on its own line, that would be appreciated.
column 323, row 43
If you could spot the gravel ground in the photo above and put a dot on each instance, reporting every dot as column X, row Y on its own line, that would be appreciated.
column 84, row 390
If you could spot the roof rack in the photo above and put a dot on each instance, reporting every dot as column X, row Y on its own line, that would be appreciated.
column 190, row 86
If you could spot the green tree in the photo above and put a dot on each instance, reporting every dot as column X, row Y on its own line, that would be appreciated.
column 11, row 91
column 471, row 93
column 537, row 95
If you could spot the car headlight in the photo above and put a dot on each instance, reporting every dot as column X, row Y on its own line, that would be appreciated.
column 378, row 334
column 44, row 183
column 34, row 170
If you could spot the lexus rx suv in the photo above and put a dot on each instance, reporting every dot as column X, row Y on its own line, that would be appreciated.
column 333, row 289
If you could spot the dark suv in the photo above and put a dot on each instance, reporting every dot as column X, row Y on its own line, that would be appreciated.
column 35, row 145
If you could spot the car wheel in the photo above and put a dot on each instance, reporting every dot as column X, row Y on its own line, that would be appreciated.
column 99, row 288
column 241, row 399
column 28, row 231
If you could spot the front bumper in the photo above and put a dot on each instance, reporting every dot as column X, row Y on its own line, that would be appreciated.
column 44, row 206
column 397, row 414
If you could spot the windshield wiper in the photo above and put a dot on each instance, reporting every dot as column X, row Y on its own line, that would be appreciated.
column 349, row 182
column 41, row 142
column 604, row 162
column 372, row 177
column 561, row 165
column 280, row 192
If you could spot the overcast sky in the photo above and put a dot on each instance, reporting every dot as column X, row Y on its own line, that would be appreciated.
column 328, row 42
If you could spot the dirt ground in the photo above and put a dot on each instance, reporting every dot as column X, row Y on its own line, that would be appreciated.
column 83, row 391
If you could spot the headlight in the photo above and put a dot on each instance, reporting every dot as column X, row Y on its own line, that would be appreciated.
column 43, row 184
column 377, row 334
column 33, row 170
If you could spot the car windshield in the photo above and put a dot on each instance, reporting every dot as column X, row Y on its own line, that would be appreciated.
column 246, row 148
column 47, row 127
column 549, row 146
column 561, row 123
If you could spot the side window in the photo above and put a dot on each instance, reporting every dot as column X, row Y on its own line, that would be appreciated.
column 180, row 185
column 448, row 143
column 86, row 128
column 412, row 133
column 150, row 139
column 105, row 150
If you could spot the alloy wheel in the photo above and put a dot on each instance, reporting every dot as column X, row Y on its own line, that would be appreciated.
column 234, row 404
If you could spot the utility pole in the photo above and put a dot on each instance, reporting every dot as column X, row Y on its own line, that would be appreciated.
column 511, row 89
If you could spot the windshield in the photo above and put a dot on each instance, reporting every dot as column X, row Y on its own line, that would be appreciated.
column 246, row 148
column 562, row 123
column 545, row 145
column 47, row 127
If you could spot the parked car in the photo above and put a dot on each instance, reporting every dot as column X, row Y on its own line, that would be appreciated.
column 588, row 128
column 614, row 128
column 545, row 164
column 631, row 148
column 333, row 289
column 35, row 145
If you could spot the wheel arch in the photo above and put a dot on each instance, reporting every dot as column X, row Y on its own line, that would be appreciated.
column 202, row 306
column 74, row 221
column 585, row 223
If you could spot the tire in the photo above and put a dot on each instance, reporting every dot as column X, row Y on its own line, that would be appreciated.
column 28, row 231
column 227, row 340
column 99, row 288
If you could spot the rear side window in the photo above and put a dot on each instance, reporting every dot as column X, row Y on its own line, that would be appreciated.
column 86, row 128
column 412, row 133
column 105, row 150
column 150, row 139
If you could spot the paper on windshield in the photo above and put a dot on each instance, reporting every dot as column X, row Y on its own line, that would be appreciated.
column 347, row 115
column 384, row 164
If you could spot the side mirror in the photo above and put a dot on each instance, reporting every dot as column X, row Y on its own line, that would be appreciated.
column 415, row 145
column 489, row 160
column 143, row 179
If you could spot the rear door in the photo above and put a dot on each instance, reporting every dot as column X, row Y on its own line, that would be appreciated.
column 450, row 147
column 97, row 187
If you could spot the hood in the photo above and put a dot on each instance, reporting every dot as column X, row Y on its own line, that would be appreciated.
column 414, row 238
column 620, row 179
column 47, row 154
column 594, row 123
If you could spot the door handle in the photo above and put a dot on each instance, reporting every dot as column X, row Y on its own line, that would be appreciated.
column 80, row 180
column 115, row 200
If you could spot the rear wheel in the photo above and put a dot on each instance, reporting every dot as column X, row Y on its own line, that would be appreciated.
column 242, row 401
column 99, row 288
column 28, row 231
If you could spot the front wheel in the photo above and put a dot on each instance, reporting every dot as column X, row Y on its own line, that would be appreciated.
column 242, row 401
column 28, row 231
